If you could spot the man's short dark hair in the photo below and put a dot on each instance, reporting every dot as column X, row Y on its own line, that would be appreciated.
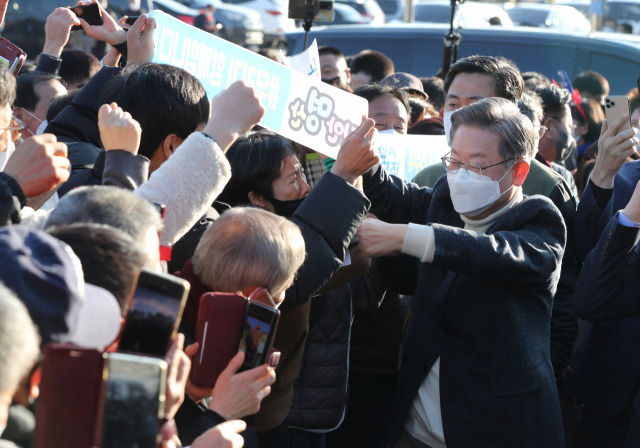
column 373, row 63
column 163, row 99
column 591, row 82
column 372, row 91
column 535, row 80
column 59, row 103
column 77, row 65
column 7, row 87
column 434, row 87
column 508, row 82
column 110, row 258
column 327, row 49
column 26, row 96
column 554, row 99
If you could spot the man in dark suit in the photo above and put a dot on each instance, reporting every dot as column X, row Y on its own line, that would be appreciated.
column 607, row 373
column 476, row 368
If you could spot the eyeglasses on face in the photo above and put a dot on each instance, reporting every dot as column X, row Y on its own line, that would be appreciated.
column 15, row 129
column 473, row 169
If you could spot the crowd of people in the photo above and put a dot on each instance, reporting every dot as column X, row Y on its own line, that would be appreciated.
column 489, row 302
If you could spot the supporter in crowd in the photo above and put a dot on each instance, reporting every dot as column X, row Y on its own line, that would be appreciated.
column 535, row 80
column 418, row 99
column 443, row 395
column 77, row 68
column 333, row 67
column 606, row 375
column 591, row 85
column 369, row 66
column 434, row 88
column 388, row 106
column 587, row 117
column 557, row 143
column 35, row 92
column 20, row 348
column 205, row 20
column 274, row 181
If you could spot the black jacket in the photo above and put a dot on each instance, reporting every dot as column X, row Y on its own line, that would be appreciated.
column 12, row 200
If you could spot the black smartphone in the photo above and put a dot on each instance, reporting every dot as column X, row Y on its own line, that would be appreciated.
column 131, row 20
column 134, row 398
column 258, row 332
column 91, row 13
column 154, row 313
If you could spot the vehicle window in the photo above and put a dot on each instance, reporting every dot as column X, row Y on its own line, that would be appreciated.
column 432, row 13
column 623, row 11
column 347, row 14
column 528, row 17
column 388, row 6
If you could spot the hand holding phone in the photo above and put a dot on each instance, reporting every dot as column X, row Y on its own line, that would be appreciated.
column 154, row 313
column 91, row 13
column 614, row 108
column 239, row 394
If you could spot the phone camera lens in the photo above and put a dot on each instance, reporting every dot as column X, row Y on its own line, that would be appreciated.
column 613, row 103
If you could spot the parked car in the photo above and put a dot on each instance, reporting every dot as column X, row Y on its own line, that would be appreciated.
column 624, row 11
column 369, row 9
column 556, row 17
column 469, row 14
column 345, row 15
column 418, row 48
column 239, row 25
column 274, row 15
column 393, row 9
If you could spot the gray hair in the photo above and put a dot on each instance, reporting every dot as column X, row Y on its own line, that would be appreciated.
column 247, row 247
column 111, row 206
column 517, row 136
column 19, row 341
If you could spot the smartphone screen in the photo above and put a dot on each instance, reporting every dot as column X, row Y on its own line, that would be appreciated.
column 133, row 401
column 154, row 314
column 257, row 334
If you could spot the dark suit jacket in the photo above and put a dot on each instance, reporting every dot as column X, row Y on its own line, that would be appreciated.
column 607, row 372
column 484, row 307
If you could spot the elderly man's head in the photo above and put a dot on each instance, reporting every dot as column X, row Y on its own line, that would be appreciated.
column 19, row 348
column 114, row 207
column 491, row 146
column 248, row 247
column 388, row 106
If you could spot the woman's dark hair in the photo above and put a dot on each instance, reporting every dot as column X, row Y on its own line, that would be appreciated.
column 256, row 161
column 593, row 112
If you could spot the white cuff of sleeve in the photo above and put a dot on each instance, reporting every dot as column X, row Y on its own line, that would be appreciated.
column 624, row 220
column 420, row 242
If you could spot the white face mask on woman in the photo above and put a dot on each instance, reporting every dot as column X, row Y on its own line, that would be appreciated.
column 471, row 196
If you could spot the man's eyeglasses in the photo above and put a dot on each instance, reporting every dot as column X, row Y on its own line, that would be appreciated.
column 473, row 169
column 15, row 129
column 540, row 129
column 571, row 129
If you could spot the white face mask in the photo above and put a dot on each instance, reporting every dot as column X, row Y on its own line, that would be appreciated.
column 446, row 120
column 471, row 196
column 4, row 156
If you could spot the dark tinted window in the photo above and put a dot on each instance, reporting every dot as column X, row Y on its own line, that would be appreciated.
column 388, row 6
column 622, row 11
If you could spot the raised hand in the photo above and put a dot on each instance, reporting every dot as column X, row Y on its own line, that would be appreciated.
column 57, row 29
column 39, row 164
column 234, row 111
column 109, row 32
column 140, row 40
column 118, row 130
column 357, row 154
column 177, row 373
column 613, row 150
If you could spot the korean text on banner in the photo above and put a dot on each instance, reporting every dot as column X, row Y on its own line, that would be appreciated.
column 405, row 155
column 298, row 107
